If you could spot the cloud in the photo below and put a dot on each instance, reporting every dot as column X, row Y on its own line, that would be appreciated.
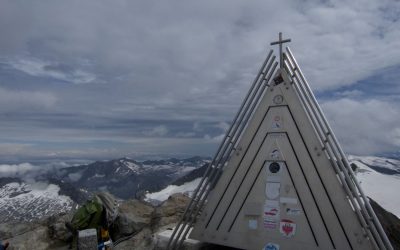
column 157, row 131
column 20, row 101
column 75, row 176
column 30, row 172
column 216, row 139
column 177, row 69
column 365, row 126
column 58, row 71
column 224, row 126
column 15, row 170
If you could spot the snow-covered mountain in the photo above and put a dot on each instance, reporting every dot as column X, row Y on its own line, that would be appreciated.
column 127, row 178
column 379, row 178
column 28, row 192
column 20, row 201
column 61, row 190
column 32, row 199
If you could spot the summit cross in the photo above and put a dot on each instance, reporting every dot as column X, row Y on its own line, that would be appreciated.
column 280, row 42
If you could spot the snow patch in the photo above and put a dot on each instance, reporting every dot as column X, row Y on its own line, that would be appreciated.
column 132, row 166
column 22, row 201
column 97, row 176
column 187, row 188
column 383, row 188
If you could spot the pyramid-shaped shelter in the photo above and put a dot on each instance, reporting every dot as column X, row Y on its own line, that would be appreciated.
column 280, row 180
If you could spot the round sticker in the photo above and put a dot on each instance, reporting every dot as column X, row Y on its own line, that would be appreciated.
column 278, row 99
column 274, row 167
column 271, row 246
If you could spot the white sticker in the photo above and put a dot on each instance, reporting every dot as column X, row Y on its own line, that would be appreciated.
column 288, row 200
column 253, row 224
column 277, row 123
column 275, row 154
column 287, row 228
column 272, row 190
column 293, row 211
column 271, row 246
column 271, row 203
column 271, row 214
column 273, row 178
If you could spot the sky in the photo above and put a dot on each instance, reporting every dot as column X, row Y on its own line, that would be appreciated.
column 101, row 79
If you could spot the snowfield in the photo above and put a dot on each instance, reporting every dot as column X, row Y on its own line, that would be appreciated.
column 383, row 188
column 31, row 201
column 187, row 188
column 379, row 178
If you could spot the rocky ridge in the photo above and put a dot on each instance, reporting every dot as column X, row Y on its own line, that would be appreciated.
column 134, row 228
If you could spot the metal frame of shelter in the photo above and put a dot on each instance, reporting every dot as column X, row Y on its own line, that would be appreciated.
column 267, row 77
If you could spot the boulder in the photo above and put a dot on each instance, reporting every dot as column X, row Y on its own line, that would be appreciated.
column 141, row 241
column 33, row 239
column 171, row 210
column 133, row 216
column 9, row 230
column 49, row 233
column 57, row 228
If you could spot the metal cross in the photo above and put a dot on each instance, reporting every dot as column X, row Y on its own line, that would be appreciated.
column 280, row 42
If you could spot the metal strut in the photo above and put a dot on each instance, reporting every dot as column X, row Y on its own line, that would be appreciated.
column 224, row 152
column 339, row 161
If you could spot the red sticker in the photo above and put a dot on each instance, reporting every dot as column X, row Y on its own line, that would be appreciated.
column 287, row 228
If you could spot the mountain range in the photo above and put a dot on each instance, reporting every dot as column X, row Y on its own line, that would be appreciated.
column 379, row 177
column 63, row 189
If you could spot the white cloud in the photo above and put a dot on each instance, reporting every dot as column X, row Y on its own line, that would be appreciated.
column 224, row 126
column 185, row 134
column 39, row 68
column 15, row 170
column 215, row 139
column 16, row 101
column 161, row 130
column 29, row 172
column 75, row 176
column 365, row 126
column 188, row 61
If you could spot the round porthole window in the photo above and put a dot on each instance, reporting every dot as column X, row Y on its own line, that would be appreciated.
column 274, row 167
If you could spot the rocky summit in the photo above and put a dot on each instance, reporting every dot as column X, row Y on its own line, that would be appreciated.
column 136, row 227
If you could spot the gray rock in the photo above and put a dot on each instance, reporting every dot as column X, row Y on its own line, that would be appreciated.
column 133, row 216
column 57, row 228
column 9, row 230
column 136, row 219
column 34, row 239
column 141, row 241
column 171, row 210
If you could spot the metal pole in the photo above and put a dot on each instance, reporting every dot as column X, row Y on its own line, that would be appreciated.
column 343, row 160
column 235, row 123
column 327, row 147
column 228, row 148
column 344, row 170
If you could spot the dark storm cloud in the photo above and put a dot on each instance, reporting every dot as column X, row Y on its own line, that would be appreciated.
column 115, row 78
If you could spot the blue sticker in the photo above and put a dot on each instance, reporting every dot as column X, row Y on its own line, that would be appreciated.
column 271, row 246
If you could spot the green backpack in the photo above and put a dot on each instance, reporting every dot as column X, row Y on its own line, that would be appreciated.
column 89, row 215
